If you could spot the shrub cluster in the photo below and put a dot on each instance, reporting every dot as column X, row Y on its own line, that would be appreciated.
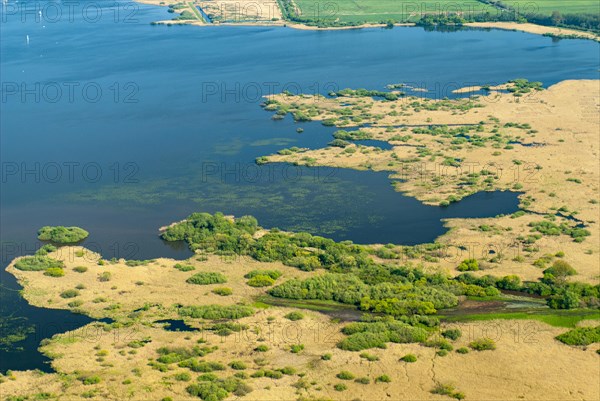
column 54, row 272
column 218, row 389
column 37, row 263
column 468, row 265
column 581, row 336
column 184, row 268
column 364, row 335
column 294, row 316
column 205, row 278
column 483, row 344
column 262, row 278
column 170, row 355
column 222, row 291
column 214, row 312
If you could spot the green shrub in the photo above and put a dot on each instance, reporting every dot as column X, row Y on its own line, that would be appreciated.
column 72, row 293
column 184, row 268
column 208, row 377
column 214, row 312
column 206, row 278
column 75, row 304
column 448, row 390
column 37, row 263
column 410, row 358
column 463, row 350
column 363, row 380
column 468, row 265
column 560, row 270
column 261, row 348
column 238, row 365
column 563, row 300
column 294, row 316
column 196, row 365
column 170, row 355
column 443, row 389
column 452, row 334
column 274, row 274
column 80, row 269
column 272, row 374
column 46, row 249
column 441, row 352
column 340, row 387
column 580, row 336
column 208, row 391
column 183, row 377
column 88, row 380
column 104, row 276
column 296, row 348
column 54, row 272
column 326, row 357
column 363, row 336
column 222, row 291
column 62, row 235
column 483, row 344
column 383, row 379
column 369, row 357
column 345, row 375
column 288, row 370
column 261, row 281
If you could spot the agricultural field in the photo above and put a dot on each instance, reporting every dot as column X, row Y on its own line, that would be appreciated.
column 548, row 6
column 378, row 11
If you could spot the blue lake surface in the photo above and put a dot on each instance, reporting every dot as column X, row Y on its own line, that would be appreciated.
column 121, row 127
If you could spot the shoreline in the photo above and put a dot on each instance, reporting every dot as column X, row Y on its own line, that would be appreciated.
column 280, row 22
column 560, row 33
column 560, row 136
column 534, row 29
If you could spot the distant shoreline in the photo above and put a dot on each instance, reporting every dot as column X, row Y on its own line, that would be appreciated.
column 510, row 26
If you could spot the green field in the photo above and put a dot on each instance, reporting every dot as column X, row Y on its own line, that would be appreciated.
column 374, row 11
column 553, row 317
column 548, row 6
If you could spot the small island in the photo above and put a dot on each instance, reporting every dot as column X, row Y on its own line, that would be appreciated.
column 62, row 235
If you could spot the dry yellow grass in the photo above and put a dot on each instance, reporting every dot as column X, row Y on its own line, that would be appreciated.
column 528, row 364
column 132, row 287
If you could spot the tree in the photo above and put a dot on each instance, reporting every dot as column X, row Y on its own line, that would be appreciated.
column 468, row 265
column 566, row 300
column 559, row 271
column 511, row 282
column 557, row 18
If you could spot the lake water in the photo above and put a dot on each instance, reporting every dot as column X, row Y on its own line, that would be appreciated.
column 121, row 127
